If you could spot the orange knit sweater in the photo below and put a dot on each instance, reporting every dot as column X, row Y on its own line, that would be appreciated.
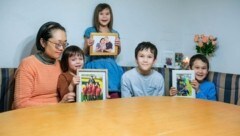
column 36, row 83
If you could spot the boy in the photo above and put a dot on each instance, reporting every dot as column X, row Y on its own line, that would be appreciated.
column 143, row 80
column 204, row 89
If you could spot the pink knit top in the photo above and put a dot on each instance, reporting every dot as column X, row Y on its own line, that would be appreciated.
column 36, row 83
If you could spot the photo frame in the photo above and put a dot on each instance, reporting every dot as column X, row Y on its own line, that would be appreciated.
column 104, row 44
column 181, row 80
column 93, row 85
column 178, row 59
column 169, row 59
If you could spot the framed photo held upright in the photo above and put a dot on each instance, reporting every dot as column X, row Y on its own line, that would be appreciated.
column 93, row 85
column 181, row 80
column 104, row 44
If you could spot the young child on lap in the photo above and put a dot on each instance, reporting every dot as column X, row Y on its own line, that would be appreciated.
column 72, row 59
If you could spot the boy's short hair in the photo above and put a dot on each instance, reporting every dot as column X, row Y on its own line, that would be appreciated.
column 144, row 46
column 198, row 57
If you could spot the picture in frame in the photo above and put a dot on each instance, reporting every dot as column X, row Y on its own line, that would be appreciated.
column 93, row 85
column 181, row 80
column 178, row 59
column 104, row 44
column 168, row 59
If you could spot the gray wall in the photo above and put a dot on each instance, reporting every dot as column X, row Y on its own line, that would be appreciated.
column 170, row 24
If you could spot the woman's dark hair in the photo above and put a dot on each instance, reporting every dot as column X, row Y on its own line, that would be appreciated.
column 144, row 46
column 198, row 57
column 100, row 7
column 45, row 32
column 68, row 52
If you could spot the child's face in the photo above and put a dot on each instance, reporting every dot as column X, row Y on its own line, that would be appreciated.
column 75, row 62
column 201, row 69
column 102, row 41
column 145, row 61
column 104, row 17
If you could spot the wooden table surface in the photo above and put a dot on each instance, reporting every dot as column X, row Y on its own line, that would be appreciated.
column 142, row 116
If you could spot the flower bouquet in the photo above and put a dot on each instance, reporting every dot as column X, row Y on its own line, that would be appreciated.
column 205, row 45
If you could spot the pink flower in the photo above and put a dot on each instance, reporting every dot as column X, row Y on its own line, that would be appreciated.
column 196, row 37
column 205, row 39
column 205, row 45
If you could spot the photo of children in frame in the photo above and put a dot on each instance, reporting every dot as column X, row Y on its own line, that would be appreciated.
column 92, row 85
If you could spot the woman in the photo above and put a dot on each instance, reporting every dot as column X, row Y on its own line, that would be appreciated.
column 37, row 75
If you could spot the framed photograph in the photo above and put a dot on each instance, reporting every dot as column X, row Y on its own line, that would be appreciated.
column 93, row 85
column 181, row 80
column 178, row 59
column 168, row 59
column 104, row 44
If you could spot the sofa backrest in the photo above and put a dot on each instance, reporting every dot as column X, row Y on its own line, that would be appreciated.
column 227, row 85
column 6, row 88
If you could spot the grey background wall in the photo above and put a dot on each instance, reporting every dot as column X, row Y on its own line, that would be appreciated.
column 170, row 24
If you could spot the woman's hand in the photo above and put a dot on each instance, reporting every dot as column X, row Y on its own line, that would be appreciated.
column 195, row 85
column 173, row 91
column 69, row 97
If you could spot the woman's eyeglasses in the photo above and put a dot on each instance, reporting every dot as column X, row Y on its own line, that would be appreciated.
column 59, row 45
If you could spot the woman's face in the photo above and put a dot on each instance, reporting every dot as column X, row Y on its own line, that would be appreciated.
column 55, row 45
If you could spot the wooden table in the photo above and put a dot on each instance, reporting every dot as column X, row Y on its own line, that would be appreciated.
column 142, row 116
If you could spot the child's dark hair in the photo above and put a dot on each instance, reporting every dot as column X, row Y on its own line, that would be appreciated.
column 144, row 46
column 45, row 32
column 198, row 57
column 100, row 7
column 68, row 52
column 101, row 39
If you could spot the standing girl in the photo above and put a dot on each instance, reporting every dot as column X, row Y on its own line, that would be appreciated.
column 102, row 23
column 72, row 59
